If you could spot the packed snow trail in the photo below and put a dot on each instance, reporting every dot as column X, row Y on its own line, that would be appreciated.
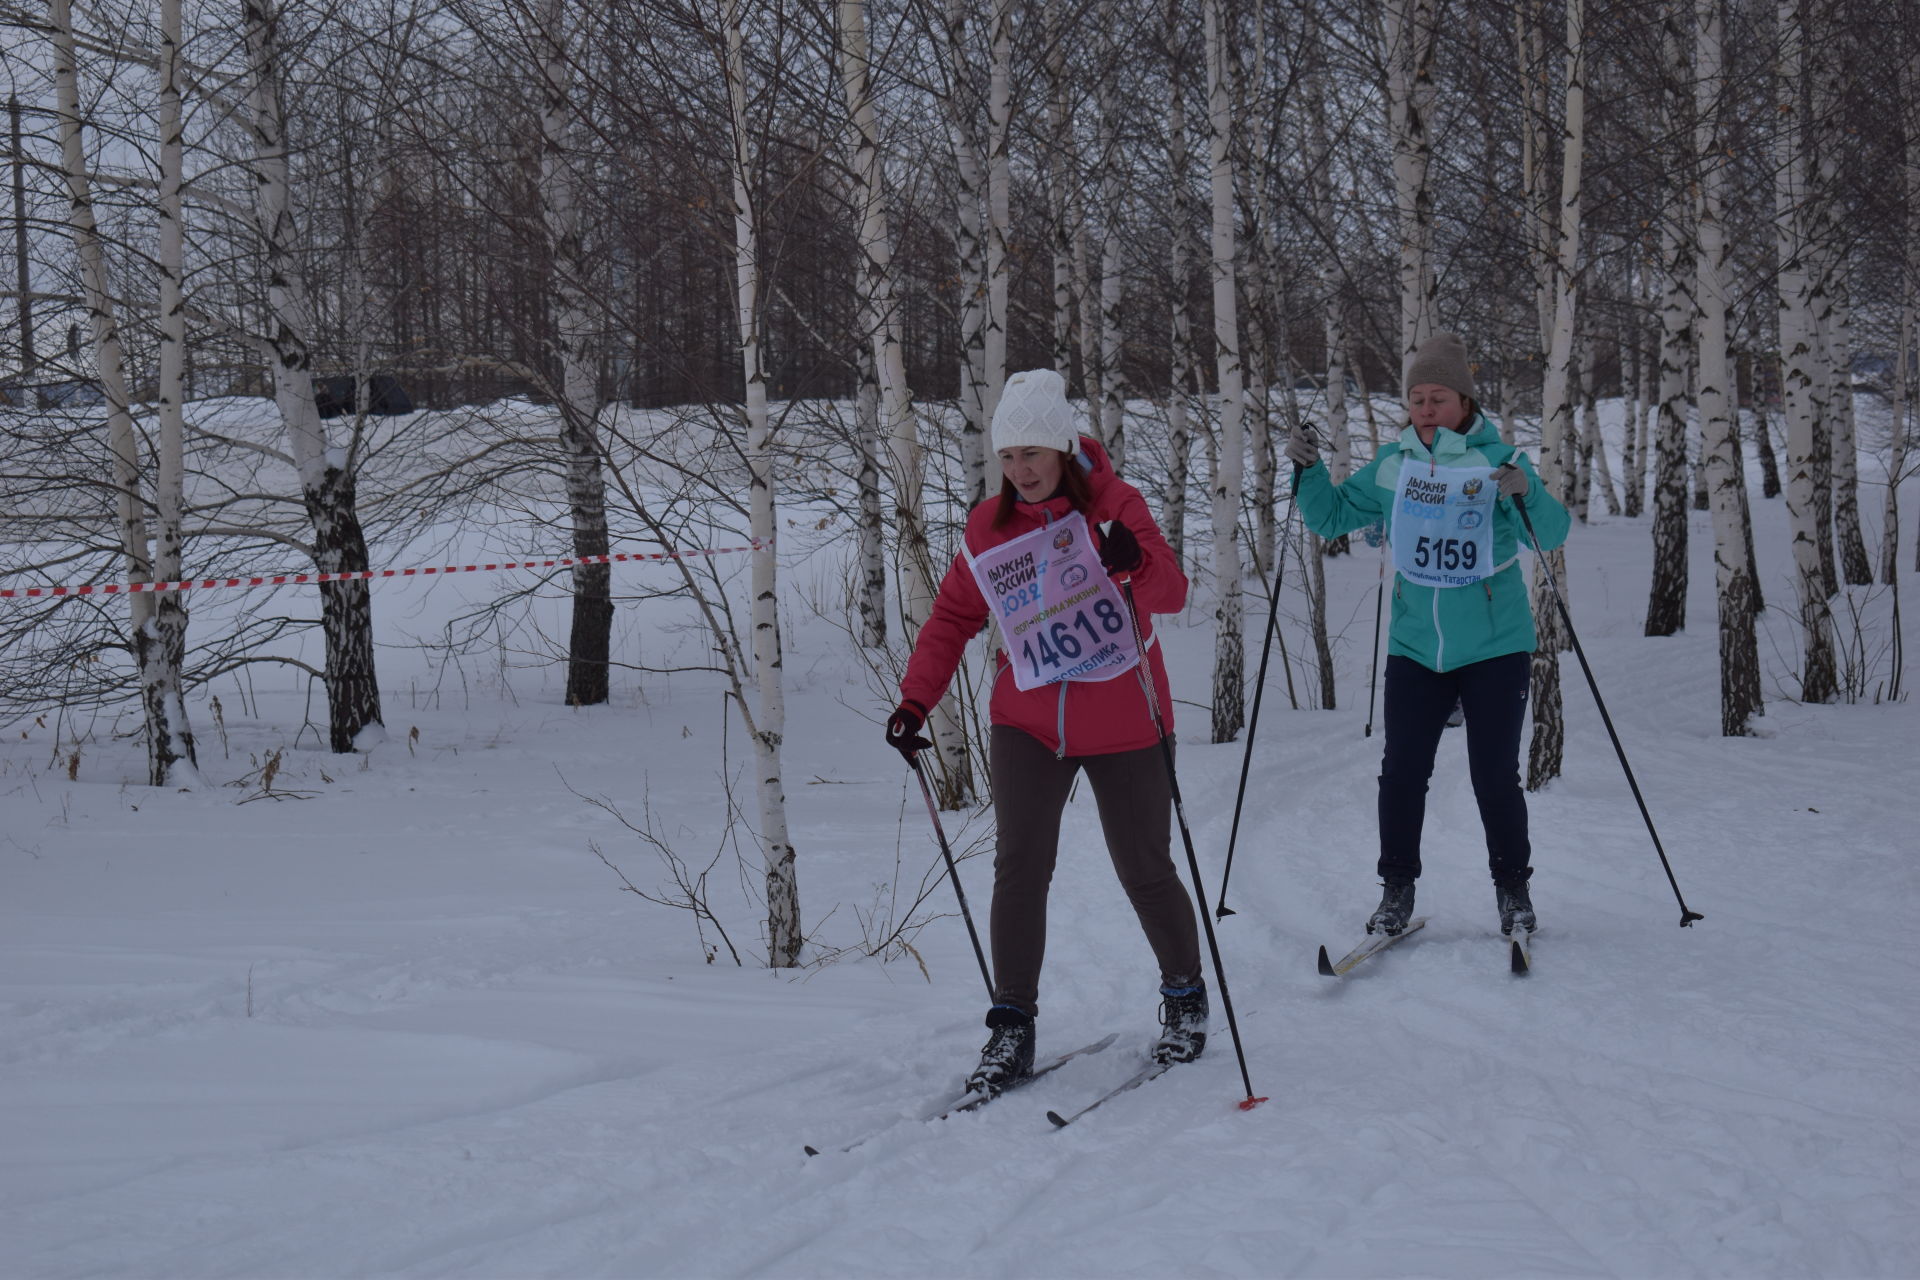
column 411, row 1025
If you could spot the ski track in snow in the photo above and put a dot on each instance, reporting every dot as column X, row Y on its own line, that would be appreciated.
column 411, row 1026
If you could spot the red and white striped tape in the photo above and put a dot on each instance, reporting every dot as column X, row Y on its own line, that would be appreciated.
column 284, row 579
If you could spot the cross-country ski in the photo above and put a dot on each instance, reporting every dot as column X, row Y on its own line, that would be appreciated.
column 972, row 1099
column 1372, row 945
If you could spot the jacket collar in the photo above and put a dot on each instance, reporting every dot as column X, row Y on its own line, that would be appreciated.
column 1451, row 446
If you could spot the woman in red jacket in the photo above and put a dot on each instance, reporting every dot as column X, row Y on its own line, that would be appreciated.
column 1056, row 710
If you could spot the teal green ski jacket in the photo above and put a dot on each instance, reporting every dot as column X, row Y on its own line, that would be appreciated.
column 1443, row 628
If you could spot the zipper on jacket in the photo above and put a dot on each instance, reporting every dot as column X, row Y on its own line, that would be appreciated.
column 1060, row 724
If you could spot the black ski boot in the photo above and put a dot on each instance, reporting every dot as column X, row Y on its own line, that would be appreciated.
column 1008, row 1053
column 1183, row 1024
column 1395, row 909
column 1516, row 908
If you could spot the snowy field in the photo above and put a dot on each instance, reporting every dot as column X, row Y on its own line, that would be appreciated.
column 397, row 1018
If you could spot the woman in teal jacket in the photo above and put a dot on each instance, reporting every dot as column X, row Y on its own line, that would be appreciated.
column 1462, row 626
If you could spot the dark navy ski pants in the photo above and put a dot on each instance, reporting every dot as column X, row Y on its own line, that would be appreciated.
column 1493, row 694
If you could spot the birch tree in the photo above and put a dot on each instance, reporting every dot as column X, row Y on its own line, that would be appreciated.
column 1173, row 515
column 1829, row 72
column 999, row 210
column 1060, row 182
column 327, row 475
column 883, row 313
column 575, row 329
column 1229, row 656
column 970, row 248
column 766, row 723
column 1909, row 320
column 1632, row 457
column 162, row 648
column 1801, row 377
column 1667, row 594
column 1408, row 38
column 169, row 742
column 1740, row 699
column 1113, row 383
column 1556, row 413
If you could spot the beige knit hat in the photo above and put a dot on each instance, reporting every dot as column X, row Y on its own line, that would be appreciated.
column 1441, row 360
column 1033, row 410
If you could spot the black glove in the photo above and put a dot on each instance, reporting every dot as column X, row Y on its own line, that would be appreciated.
column 903, row 728
column 1120, row 550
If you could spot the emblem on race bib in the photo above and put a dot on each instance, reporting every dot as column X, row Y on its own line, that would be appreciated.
column 1471, row 489
column 1471, row 518
column 1058, row 619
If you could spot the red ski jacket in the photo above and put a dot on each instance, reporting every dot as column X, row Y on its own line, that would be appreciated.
column 1072, row 717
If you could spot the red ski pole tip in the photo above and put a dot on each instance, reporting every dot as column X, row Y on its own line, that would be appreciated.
column 1248, row 1104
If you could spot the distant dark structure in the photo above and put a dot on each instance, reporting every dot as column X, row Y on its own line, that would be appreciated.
column 385, row 397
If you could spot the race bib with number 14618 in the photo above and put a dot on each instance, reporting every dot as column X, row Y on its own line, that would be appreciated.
column 1060, row 616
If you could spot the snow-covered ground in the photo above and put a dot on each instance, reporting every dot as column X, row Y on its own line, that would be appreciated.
column 396, row 1017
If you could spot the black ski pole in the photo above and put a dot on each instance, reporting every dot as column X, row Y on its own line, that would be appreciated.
column 1373, row 672
column 1546, row 566
column 1186, row 838
column 1253, row 721
column 953, row 871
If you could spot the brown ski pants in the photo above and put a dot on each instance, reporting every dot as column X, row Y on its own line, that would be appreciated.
column 1135, row 799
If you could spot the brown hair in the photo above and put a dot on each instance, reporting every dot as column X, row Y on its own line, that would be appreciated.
column 1073, row 486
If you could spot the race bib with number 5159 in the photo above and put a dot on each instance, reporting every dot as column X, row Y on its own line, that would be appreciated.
column 1443, row 525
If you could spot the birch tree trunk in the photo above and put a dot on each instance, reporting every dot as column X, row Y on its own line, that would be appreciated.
column 1593, row 442
column 1667, row 593
column 590, row 644
column 23, row 275
column 999, row 216
column 97, row 297
column 1762, row 433
column 1909, row 322
column 970, row 247
column 1850, row 540
column 872, row 565
column 1265, row 336
column 1667, row 597
column 1580, row 391
column 767, row 723
column 1535, row 78
column 1086, row 290
column 1902, row 424
column 161, row 650
column 1180, row 250
column 1556, row 415
column 1830, row 73
column 1740, row 699
column 1631, row 467
column 1409, row 40
column 1319, row 153
column 1061, row 178
column 1229, row 656
column 1799, row 368
column 954, row 787
column 327, row 476
column 1112, row 266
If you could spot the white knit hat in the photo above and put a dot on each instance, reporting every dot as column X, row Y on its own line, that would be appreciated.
column 1033, row 410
